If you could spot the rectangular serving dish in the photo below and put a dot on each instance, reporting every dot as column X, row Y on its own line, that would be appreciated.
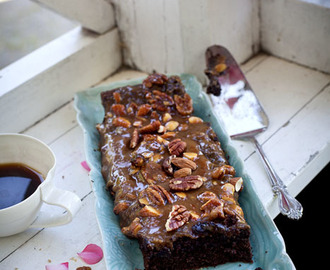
column 122, row 253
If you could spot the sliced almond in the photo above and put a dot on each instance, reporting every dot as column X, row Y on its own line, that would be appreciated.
column 161, row 129
column 137, row 124
column 195, row 120
column 163, row 141
column 156, row 158
column 149, row 211
column 171, row 125
column 167, row 135
column 147, row 154
column 182, row 195
column 166, row 117
column 190, row 155
column 237, row 182
column 194, row 215
column 143, row 201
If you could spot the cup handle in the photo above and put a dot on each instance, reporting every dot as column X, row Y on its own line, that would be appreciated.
column 59, row 197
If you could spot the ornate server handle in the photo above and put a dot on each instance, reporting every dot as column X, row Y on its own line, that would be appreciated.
column 288, row 205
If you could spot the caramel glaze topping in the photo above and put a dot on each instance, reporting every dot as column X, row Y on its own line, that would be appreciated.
column 164, row 167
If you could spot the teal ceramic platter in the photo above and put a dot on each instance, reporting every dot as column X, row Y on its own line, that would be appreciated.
column 122, row 253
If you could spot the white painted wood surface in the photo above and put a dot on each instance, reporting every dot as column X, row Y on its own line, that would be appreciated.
column 171, row 36
column 95, row 15
column 48, row 77
column 297, row 31
column 297, row 100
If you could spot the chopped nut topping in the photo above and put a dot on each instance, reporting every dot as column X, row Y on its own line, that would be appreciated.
column 134, row 139
column 151, row 128
column 184, row 104
column 166, row 117
column 133, row 229
column 118, row 109
column 144, row 110
column 195, row 120
column 155, row 78
column 194, row 215
column 219, row 172
column 213, row 209
column 206, row 196
column 138, row 161
column 190, row 155
column 137, row 123
column 117, row 97
column 162, row 129
column 182, row 172
column 167, row 165
column 169, row 134
column 155, row 194
column 121, row 122
column 171, row 125
column 163, row 97
column 237, row 182
column 177, row 218
column 184, row 163
column 176, row 147
column 163, row 141
column 186, row 183
column 182, row 195
column 120, row 207
column 149, row 211
column 228, row 188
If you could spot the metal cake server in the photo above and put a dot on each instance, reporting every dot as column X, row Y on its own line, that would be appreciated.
column 243, row 116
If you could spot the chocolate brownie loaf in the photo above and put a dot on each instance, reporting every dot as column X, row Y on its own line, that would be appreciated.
column 173, row 188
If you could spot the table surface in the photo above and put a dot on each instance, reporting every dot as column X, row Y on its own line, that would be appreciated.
column 297, row 142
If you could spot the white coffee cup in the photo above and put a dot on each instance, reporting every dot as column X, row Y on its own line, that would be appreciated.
column 18, row 148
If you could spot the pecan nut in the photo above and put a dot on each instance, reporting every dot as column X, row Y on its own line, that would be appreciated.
column 118, row 109
column 143, row 110
column 134, row 139
column 151, row 128
column 120, row 207
column 155, row 78
column 206, row 196
column 184, row 105
column 176, row 147
column 186, row 183
column 163, row 97
column 121, row 122
column 133, row 229
column 219, row 172
column 184, row 163
column 177, row 217
column 213, row 209
column 155, row 194
column 117, row 97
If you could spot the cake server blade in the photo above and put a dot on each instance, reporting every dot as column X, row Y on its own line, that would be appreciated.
column 243, row 116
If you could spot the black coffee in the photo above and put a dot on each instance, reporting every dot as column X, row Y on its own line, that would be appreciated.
column 17, row 182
